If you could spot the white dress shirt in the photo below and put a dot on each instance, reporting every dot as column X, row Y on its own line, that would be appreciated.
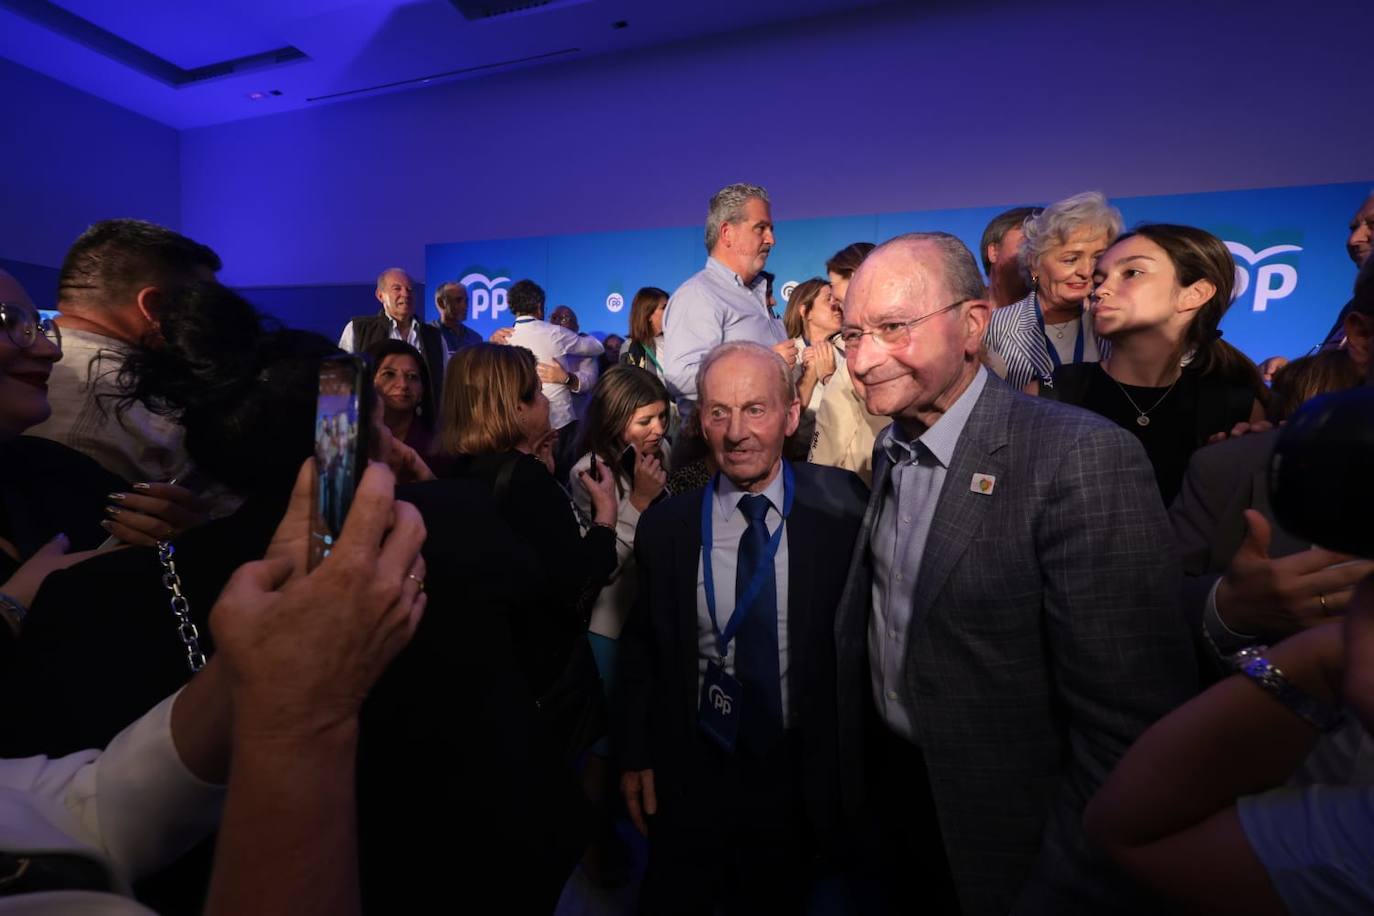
column 134, row 807
column 728, row 525
column 551, row 343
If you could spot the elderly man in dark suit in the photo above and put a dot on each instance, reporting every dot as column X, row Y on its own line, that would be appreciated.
column 726, row 727
column 1011, row 622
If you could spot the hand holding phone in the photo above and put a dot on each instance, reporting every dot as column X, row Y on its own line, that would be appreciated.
column 343, row 428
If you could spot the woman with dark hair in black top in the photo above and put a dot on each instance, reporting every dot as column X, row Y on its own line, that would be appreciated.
column 1159, row 293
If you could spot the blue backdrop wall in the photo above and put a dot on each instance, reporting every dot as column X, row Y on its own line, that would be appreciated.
column 1293, row 274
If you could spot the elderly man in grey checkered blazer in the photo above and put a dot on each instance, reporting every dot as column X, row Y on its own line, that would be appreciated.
column 1011, row 621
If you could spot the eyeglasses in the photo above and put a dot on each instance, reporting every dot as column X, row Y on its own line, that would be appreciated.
column 893, row 335
column 24, row 325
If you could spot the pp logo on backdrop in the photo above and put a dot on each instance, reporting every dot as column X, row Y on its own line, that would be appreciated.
column 485, row 294
column 787, row 289
column 1271, row 282
column 614, row 303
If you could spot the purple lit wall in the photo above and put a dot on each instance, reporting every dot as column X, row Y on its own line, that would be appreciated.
column 68, row 159
column 896, row 108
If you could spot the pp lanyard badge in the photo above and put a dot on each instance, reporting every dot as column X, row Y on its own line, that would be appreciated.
column 718, row 708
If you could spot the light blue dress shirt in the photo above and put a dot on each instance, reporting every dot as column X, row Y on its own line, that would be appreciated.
column 711, row 307
column 906, row 510
column 728, row 525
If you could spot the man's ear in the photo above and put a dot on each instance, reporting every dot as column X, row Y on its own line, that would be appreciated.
column 793, row 416
column 727, row 234
column 977, row 312
column 1359, row 339
column 149, row 301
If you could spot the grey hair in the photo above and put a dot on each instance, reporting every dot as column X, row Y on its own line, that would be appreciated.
column 381, row 277
column 449, row 284
column 727, row 206
column 787, row 385
column 1061, row 219
column 962, row 278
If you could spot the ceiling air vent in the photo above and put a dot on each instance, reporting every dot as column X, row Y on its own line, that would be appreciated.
column 490, row 9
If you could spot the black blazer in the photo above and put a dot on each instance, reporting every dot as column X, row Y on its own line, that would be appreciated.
column 451, row 730
column 566, row 569
column 655, row 725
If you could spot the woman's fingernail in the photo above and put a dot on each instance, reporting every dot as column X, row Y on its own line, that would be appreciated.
column 113, row 510
column 107, row 525
column 116, row 496
column 142, row 486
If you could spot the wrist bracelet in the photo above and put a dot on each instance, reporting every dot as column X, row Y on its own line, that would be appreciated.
column 1321, row 716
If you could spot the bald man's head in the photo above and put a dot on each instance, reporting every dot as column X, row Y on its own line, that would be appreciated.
column 914, row 319
column 11, row 290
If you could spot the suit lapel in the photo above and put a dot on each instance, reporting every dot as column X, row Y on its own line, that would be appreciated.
column 802, row 559
column 852, row 619
column 960, row 511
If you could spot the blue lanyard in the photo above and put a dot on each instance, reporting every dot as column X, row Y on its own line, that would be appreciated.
column 1054, row 354
column 756, row 579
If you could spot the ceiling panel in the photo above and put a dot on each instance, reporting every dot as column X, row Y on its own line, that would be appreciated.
column 187, row 34
column 353, row 47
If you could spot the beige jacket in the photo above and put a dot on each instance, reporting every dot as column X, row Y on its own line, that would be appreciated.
column 845, row 430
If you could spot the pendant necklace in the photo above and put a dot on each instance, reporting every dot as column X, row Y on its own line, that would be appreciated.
column 1144, row 415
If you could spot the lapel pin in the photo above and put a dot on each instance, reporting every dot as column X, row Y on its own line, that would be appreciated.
column 983, row 483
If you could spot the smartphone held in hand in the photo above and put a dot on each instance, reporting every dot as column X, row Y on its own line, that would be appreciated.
column 343, row 418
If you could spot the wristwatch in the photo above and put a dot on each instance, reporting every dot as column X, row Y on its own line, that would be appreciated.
column 14, row 612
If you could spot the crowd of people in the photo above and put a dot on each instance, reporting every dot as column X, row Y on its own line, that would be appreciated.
column 944, row 591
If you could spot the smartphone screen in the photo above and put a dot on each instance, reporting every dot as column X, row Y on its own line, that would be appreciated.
column 342, row 424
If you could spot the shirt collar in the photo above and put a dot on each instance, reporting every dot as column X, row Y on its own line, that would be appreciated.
column 716, row 267
column 940, row 439
column 728, row 495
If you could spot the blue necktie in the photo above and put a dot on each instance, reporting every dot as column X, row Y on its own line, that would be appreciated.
column 756, row 643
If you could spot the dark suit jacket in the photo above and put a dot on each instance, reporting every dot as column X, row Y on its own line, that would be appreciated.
column 1223, row 480
column 1046, row 635
column 656, row 722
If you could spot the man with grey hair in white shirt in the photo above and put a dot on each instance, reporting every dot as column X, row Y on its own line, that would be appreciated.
column 727, row 299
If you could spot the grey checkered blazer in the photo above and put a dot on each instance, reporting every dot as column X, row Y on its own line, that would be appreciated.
column 1046, row 636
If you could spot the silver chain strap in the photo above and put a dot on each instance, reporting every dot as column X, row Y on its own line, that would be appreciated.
column 181, row 608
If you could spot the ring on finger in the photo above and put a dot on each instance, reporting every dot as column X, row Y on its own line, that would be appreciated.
column 417, row 580
column 1321, row 599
